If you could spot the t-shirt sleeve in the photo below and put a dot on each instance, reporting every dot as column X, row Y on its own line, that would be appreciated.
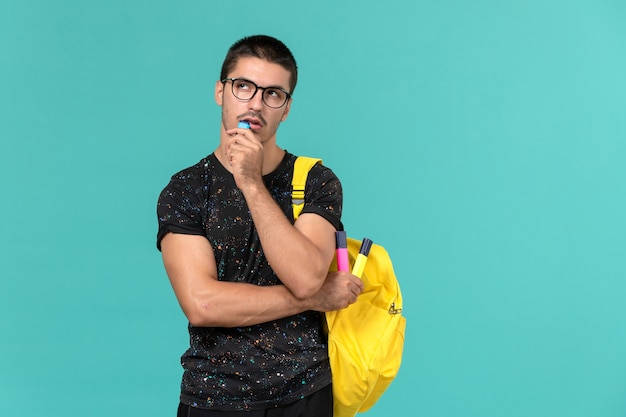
column 180, row 205
column 324, row 195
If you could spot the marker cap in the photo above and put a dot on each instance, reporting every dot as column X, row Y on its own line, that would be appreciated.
column 341, row 239
column 243, row 124
column 366, row 245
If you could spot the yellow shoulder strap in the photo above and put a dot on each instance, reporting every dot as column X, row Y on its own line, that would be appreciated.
column 301, row 170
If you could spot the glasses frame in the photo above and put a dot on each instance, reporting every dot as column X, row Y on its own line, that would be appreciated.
column 256, row 88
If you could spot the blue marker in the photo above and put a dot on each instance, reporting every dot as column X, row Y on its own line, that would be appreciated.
column 243, row 125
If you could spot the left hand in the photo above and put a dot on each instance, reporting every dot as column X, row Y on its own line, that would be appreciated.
column 338, row 291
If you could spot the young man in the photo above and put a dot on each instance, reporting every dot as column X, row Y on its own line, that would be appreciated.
column 250, row 280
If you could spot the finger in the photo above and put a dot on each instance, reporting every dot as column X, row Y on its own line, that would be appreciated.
column 236, row 140
column 242, row 143
column 353, row 299
column 237, row 131
column 357, row 282
column 241, row 134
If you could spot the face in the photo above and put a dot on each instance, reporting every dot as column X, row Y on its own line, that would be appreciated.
column 264, row 120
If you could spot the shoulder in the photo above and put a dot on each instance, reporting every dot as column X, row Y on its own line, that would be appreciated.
column 196, row 171
column 186, row 188
column 322, row 170
column 323, row 176
column 195, row 177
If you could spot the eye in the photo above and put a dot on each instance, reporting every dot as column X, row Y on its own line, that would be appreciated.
column 274, row 93
column 244, row 85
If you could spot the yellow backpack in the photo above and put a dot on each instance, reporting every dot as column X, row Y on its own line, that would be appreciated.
column 366, row 339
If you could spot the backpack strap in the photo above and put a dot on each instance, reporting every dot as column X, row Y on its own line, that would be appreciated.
column 301, row 169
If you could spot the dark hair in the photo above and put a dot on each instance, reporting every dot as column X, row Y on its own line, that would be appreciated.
column 264, row 47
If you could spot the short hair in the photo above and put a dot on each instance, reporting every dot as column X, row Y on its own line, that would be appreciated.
column 264, row 47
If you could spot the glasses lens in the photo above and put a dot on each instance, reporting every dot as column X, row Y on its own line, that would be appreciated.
column 243, row 89
column 274, row 97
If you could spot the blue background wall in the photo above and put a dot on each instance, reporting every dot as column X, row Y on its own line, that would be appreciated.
column 483, row 143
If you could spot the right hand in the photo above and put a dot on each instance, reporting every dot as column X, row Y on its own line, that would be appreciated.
column 338, row 291
column 244, row 151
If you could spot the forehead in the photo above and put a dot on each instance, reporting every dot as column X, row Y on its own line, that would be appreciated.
column 261, row 72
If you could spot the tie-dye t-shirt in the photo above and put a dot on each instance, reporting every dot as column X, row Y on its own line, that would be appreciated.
column 265, row 365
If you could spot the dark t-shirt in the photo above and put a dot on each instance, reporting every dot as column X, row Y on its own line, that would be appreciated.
column 259, row 366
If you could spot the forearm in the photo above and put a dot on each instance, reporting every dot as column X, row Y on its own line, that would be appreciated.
column 234, row 304
column 231, row 304
column 300, row 261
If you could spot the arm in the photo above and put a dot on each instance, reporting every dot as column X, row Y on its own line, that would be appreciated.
column 207, row 302
column 299, row 254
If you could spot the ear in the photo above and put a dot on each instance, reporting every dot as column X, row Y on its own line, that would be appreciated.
column 286, row 112
column 219, row 92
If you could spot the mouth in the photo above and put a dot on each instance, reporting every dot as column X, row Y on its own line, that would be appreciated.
column 255, row 124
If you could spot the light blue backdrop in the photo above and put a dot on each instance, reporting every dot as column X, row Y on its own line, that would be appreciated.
column 483, row 143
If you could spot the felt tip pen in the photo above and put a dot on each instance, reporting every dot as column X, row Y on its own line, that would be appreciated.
column 361, row 258
column 342, row 251
column 243, row 124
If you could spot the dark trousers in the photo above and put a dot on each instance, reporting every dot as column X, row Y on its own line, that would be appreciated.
column 318, row 404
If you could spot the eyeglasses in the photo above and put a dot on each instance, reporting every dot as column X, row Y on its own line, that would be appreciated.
column 274, row 97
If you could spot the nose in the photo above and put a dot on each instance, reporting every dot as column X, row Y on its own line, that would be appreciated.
column 256, row 102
